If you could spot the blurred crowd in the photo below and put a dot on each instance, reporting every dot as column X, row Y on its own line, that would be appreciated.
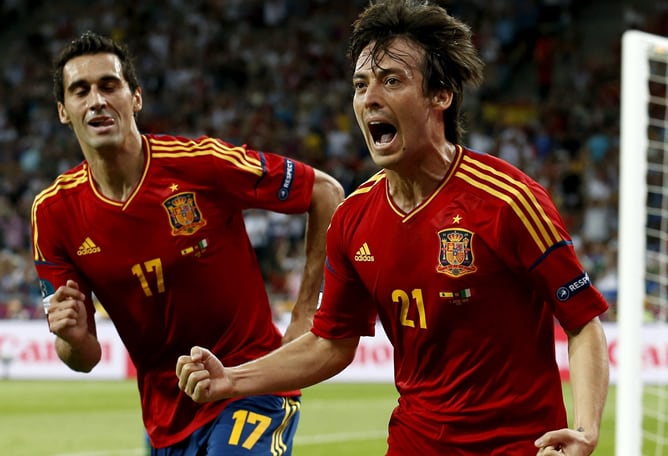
column 274, row 75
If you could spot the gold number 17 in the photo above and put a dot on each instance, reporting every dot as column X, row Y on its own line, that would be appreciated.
column 150, row 266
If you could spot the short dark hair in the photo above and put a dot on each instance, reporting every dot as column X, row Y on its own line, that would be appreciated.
column 92, row 43
column 450, row 57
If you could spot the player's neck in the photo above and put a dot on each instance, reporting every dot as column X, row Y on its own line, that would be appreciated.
column 116, row 174
column 410, row 187
column 407, row 194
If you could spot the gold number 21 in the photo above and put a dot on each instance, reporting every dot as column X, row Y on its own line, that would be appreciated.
column 400, row 296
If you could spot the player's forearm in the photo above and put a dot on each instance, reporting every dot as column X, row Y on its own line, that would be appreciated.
column 81, row 357
column 303, row 362
column 588, row 359
column 327, row 195
column 306, row 302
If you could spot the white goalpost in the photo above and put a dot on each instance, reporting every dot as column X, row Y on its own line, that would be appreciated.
column 642, row 402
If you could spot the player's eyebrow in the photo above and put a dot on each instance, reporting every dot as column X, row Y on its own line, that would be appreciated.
column 376, row 71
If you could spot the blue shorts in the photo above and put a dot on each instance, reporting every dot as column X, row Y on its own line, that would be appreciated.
column 257, row 425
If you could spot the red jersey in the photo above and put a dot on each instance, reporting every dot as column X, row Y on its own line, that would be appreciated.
column 467, row 286
column 172, row 265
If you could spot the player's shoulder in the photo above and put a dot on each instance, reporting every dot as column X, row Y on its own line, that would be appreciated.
column 475, row 166
column 163, row 145
column 166, row 140
column 202, row 150
column 358, row 203
column 365, row 192
column 67, row 185
column 498, row 182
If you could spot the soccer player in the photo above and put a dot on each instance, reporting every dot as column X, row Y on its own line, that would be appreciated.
column 153, row 227
column 463, row 258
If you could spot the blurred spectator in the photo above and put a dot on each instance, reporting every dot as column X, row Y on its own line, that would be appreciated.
column 16, row 310
column 274, row 74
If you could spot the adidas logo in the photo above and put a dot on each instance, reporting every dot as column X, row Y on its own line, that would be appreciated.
column 364, row 254
column 88, row 247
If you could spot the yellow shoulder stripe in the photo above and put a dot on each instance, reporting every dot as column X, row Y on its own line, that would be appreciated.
column 238, row 156
column 517, row 195
column 62, row 182
column 367, row 185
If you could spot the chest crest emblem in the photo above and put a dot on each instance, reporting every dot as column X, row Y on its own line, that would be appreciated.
column 184, row 215
column 456, row 257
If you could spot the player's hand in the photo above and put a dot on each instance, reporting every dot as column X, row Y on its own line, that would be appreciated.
column 202, row 376
column 566, row 442
column 67, row 314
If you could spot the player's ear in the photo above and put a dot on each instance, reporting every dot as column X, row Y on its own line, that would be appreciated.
column 137, row 101
column 442, row 99
column 63, row 115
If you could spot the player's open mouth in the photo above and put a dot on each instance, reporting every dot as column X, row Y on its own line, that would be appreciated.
column 382, row 133
column 101, row 122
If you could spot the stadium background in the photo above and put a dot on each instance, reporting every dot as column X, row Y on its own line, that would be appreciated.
column 273, row 74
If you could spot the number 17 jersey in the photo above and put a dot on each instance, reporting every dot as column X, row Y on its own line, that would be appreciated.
column 173, row 265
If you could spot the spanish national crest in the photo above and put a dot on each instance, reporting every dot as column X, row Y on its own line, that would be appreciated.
column 456, row 252
column 184, row 215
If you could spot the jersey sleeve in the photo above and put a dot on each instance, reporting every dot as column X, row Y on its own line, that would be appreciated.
column 51, row 261
column 347, row 309
column 264, row 180
column 544, row 248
